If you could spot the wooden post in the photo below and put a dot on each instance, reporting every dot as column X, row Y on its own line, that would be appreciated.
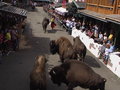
column 118, row 1
column 115, row 6
column 98, row 2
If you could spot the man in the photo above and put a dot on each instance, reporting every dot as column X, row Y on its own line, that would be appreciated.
column 75, row 30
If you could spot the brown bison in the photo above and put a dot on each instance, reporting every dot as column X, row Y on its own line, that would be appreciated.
column 45, row 23
column 63, row 47
column 80, row 48
column 76, row 73
column 38, row 74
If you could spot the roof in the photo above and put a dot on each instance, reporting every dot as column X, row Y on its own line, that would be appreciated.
column 80, row 5
column 61, row 10
column 42, row 0
column 95, row 15
column 115, row 18
column 57, row 5
column 14, row 10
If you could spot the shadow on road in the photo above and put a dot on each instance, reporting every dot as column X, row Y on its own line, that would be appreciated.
column 53, row 31
column 91, row 61
column 37, row 44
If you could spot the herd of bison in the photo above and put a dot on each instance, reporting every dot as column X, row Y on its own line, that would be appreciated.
column 73, row 71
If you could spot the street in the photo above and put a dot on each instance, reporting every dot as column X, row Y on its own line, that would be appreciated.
column 16, row 67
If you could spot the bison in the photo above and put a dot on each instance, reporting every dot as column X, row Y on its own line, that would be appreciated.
column 38, row 74
column 45, row 23
column 79, row 48
column 76, row 73
column 63, row 47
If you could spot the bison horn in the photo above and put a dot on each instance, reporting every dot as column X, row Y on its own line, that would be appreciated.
column 54, row 72
column 105, row 79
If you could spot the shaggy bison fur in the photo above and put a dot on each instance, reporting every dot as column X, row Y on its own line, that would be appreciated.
column 76, row 73
column 63, row 47
column 38, row 74
column 45, row 23
column 79, row 48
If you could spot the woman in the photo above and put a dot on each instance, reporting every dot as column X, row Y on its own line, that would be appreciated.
column 53, row 22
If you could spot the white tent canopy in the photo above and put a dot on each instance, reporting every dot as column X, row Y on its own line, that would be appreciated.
column 61, row 10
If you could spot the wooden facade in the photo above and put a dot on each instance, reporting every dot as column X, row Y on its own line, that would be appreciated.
column 118, row 7
column 104, row 6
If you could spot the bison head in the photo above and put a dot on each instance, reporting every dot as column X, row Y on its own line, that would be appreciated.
column 102, row 84
column 53, row 47
column 40, row 61
column 99, row 85
column 57, row 75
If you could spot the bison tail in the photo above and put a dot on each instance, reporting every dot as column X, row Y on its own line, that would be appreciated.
column 84, row 52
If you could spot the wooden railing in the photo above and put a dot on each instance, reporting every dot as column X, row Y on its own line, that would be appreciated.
column 106, row 2
column 92, row 1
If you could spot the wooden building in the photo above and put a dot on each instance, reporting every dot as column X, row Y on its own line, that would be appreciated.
column 104, row 6
column 105, row 13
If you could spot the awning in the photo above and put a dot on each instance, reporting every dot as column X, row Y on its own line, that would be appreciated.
column 61, row 10
column 3, row 4
column 115, row 18
column 95, row 15
column 14, row 10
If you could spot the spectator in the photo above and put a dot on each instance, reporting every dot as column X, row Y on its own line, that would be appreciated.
column 83, row 27
column 90, row 33
column 110, row 38
column 100, row 36
column 106, row 54
column 101, row 51
column 112, row 48
column 95, row 31
column 7, row 43
column 99, row 39
column 75, row 30
column 14, row 39
column 105, row 38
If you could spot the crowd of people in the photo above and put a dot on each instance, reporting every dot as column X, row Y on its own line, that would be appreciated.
column 106, row 41
column 10, row 30
column 8, row 40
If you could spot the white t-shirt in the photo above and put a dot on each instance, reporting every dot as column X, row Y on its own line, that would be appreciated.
column 107, row 51
column 75, row 32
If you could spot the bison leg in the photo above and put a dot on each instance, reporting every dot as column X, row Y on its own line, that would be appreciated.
column 93, row 89
column 31, row 87
column 71, row 86
column 44, row 28
column 62, row 59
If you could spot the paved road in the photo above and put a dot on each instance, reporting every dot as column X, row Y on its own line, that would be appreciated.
column 15, row 68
